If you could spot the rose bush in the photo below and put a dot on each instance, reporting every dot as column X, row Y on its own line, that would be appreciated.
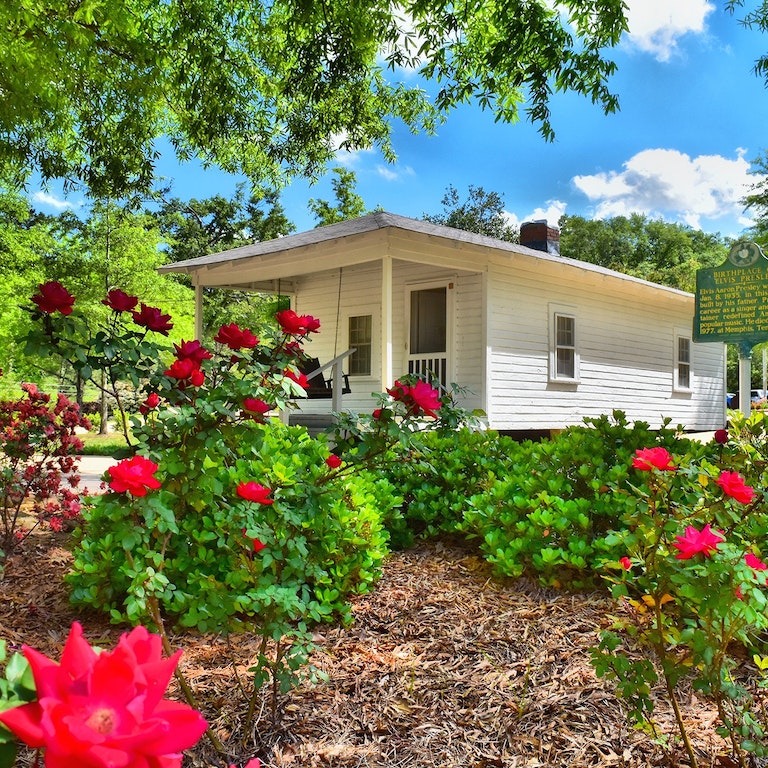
column 225, row 519
column 691, row 590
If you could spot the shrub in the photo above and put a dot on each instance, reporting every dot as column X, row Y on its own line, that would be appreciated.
column 552, row 510
column 38, row 469
column 437, row 476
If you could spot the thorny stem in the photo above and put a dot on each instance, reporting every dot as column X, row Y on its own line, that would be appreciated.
column 252, row 703
column 186, row 689
column 659, row 648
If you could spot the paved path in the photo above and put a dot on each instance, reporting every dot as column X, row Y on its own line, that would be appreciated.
column 91, row 470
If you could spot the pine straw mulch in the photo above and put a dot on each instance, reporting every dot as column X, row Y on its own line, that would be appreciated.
column 443, row 666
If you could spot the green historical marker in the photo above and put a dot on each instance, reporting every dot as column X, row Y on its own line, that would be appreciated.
column 732, row 307
column 732, row 299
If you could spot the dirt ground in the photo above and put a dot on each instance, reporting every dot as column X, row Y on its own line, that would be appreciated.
column 443, row 666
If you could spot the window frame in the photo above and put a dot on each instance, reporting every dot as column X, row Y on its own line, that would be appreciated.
column 557, row 311
column 680, row 364
column 350, row 344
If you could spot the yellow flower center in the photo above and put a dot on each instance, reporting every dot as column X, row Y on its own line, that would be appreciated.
column 102, row 720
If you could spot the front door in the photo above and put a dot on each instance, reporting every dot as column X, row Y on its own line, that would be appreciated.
column 429, row 333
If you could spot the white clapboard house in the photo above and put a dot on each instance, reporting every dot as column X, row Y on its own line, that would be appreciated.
column 541, row 340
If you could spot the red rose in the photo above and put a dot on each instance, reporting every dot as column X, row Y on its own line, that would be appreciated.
column 152, row 319
column 119, row 301
column 419, row 399
column 256, row 408
column 733, row 485
column 297, row 325
column 133, row 475
column 253, row 491
column 652, row 458
column 625, row 563
column 182, row 369
column 235, row 337
column 192, row 350
column 54, row 297
column 721, row 436
column 149, row 404
column 99, row 708
column 333, row 461
column 300, row 378
column 695, row 541
column 258, row 544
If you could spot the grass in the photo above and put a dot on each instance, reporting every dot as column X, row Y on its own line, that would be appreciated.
column 102, row 445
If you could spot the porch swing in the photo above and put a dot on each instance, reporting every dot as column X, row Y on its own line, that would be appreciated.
column 320, row 387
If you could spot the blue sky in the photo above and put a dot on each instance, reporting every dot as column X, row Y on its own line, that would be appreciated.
column 692, row 120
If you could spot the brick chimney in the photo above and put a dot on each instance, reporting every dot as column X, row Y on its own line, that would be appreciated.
column 537, row 235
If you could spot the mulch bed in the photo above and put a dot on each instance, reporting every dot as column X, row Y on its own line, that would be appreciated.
column 443, row 666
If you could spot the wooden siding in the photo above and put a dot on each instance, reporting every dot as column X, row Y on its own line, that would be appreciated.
column 317, row 295
column 625, row 340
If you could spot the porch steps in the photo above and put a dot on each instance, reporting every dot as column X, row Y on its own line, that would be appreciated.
column 314, row 422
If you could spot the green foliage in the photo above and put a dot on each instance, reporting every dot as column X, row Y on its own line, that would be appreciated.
column 190, row 545
column 651, row 249
column 16, row 687
column 266, row 87
column 691, row 588
column 482, row 212
column 438, row 475
column 349, row 205
column 550, row 510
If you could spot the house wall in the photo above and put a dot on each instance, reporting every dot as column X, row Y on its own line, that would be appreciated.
column 318, row 295
column 625, row 340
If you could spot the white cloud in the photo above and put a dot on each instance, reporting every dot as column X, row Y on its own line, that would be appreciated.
column 44, row 198
column 551, row 214
column 669, row 183
column 655, row 26
column 394, row 173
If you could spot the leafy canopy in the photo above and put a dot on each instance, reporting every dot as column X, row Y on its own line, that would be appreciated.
column 273, row 89
column 482, row 212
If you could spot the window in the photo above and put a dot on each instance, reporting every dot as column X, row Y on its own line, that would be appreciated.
column 361, row 340
column 564, row 357
column 682, row 362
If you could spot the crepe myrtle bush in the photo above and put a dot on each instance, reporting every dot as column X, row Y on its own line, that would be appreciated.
column 38, row 465
column 689, row 577
column 549, row 512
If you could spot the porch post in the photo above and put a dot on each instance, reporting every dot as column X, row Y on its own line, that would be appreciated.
column 386, row 321
column 198, row 312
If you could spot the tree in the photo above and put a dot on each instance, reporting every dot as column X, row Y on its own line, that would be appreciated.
column 651, row 249
column 272, row 89
column 349, row 205
column 482, row 212
column 200, row 227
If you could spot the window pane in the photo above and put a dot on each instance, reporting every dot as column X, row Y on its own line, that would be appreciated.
column 683, row 350
column 565, row 331
column 361, row 338
column 428, row 321
column 566, row 363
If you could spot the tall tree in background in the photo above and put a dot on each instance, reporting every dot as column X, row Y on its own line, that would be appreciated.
column 481, row 212
column 200, row 227
column 651, row 249
column 349, row 205
column 267, row 88
column 110, row 248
